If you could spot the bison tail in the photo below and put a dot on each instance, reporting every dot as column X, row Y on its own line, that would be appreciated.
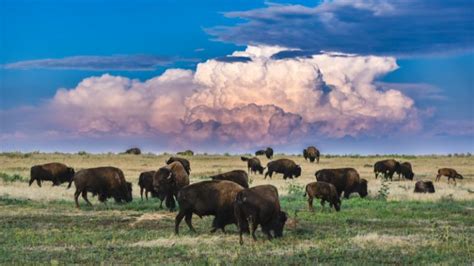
column 244, row 158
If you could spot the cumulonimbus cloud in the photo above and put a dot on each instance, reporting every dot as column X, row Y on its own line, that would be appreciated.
column 263, row 100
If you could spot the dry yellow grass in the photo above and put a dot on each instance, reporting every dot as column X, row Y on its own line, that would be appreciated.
column 202, row 166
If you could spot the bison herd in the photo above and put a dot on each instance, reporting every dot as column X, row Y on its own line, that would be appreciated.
column 228, row 196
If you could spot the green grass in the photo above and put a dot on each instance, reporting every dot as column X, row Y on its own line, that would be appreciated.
column 55, row 231
column 12, row 177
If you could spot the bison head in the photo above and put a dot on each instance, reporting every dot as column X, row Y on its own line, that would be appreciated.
column 260, row 169
column 297, row 171
column 70, row 174
column 362, row 188
column 429, row 187
column 170, row 160
column 279, row 223
column 128, row 193
column 410, row 175
column 163, row 180
column 459, row 176
column 337, row 205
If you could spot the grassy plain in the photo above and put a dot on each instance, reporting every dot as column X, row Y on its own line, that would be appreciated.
column 41, row 225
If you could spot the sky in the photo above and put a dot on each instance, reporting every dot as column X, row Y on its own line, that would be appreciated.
column 351, row 77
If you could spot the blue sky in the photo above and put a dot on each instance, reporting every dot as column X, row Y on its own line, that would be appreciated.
column 49, row 45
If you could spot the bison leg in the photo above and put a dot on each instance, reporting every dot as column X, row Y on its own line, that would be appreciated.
column 76, row 196
column 254, row 226
column 268, row 173
column 38, row 181
column 188, row 219
column 310, row 203
column 141, row 193
column 84, row 196
column 31, row 181
column 438, row 177
column 177, row 221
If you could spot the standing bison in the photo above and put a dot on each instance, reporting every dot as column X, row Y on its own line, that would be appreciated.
column 213, row 197
column 450, row 173
column 145, row 181
column 405, row 170
column 184, row 162
column 387, row 168
column 269, row 153
column 253, row 165
column 260, row 205
column 135, row 151
column 58, row 173
column 260, row 152
column 345, row 180
column 238, row 176
column 325, row 192
column 424, row 187
column 287, row 167
column 168, row 180
column 311, row 153
column 106, row 182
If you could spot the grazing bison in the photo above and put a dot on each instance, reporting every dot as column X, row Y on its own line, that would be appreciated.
column 106, row 182
column 345, row 180
column 424, row 187
column 269, row 153
column 405, row 170
column 253, row 165
column 58, row 173
column 145, row 181
column 386, row 167
column 135, row 151
column 450, row 173
column 311, row 153
column 168, row 180
column 286, row 167
column 260, row 205
column 238, row 176
column 325, row 192
column 184, row 162
column 213, row 197
column 260, row 152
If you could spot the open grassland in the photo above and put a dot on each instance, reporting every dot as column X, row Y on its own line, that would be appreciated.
column 41, row 225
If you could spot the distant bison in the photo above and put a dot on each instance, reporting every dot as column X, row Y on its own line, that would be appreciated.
column 168, row 180
column 345, row 180
column 213, row 197
column 287, row 167
column 260, row 152
column 260, row 205
column 325, row 192
column 105, row 182
column 269, row 153
column 253, row 165
column 58, row 173
column 424, row 187
column 145, row 181
column 450, row 173
column 386, row 167
column 184, row 162
column 135, row 151
column 405, row 170
column 238, row 176
column 186, row 153
column 311, row 153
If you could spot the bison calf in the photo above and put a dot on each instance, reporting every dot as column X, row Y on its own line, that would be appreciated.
column 424, row 187
column 260, row 205
column 325, row 192
column 58, row 173
column 238, row 176
column 450, row 173
column 253, row 165
column 287, row 167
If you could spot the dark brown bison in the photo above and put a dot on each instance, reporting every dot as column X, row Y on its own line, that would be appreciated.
column 169, row 180
column 323, row 191
column 253, row 165
column 260, row 205
column 58, row 173
column 269, row 153
column 424, row 187
column 186, row 153
column 145, row 181
column 450, row 173
column 260, row 152
column 135, row 151
column 106, row 182
column 405, row 170
column 184, row 162
column 311, row 153
column 238, row 176
column 345, row 180
column 213, row 197
column 287, row 167
column 386, row 167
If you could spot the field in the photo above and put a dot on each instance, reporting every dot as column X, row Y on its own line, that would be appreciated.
column 391, row 226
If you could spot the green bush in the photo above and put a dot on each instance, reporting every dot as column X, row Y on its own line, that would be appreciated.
column 12, row 178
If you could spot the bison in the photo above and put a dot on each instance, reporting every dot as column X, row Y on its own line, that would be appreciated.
column 406, row 171
column 286, row 167
column 184, row 162
column 253, row 165
column 269, row 153
column 386, row 167
column 238, row 176
column 212, row 197
column 186, row 153
column 450, row 173
column 135, row 151
column 260, row 205
column 260, row 152
column 105, row 182
column 58, row 173
column 345, row 180
column 311, row 153
column 325, row 192
column 424, row 187
column 145, row 181
column 168, row 180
